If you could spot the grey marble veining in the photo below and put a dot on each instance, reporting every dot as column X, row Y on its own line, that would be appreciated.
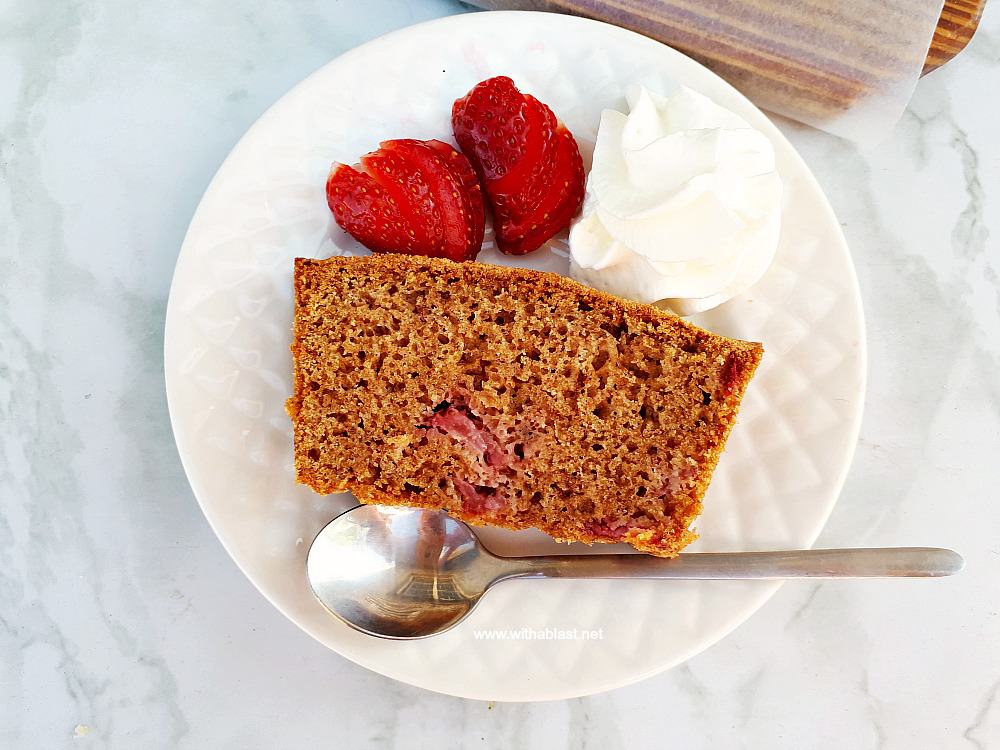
column 123, row 624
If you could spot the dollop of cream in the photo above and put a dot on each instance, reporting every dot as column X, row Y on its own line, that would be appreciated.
column 683, row 204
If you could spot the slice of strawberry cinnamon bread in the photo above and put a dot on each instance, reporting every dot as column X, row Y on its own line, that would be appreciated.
column 509, row 397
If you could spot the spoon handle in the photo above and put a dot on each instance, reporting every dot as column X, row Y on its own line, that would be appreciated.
column 875, row 562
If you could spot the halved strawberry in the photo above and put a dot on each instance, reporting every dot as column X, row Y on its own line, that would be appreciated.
column 457, row 202
column 396, row 177
column 522, row 188
column 415, row 197
column 528, row 161
column 556, row 206
column 367, row 211
column 491, row 124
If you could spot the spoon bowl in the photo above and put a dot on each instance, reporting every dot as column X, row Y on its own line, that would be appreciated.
column 410, row 573
column 398, row 572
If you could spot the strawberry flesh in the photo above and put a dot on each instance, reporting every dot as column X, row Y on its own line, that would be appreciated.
column 452, row 198
column 478, row 498
column 414, row 197
column 556, row 207
column 491, row 127
column 528, row 161
column 366, row 211
column 404, row 185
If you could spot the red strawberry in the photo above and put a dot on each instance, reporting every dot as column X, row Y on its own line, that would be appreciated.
column 416, row 197
column 528, row 162
column 561, row 192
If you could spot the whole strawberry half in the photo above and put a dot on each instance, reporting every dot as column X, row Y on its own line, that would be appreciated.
column 528, row 162
column 414, row 197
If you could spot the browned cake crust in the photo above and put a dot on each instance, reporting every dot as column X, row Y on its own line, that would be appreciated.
column 509, row 397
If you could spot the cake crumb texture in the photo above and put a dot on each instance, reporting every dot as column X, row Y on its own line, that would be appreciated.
column 509, row 397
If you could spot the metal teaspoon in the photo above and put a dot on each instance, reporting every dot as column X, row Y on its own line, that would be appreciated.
column 410, row 573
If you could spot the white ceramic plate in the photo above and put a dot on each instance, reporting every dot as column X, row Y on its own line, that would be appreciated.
column 228, row 366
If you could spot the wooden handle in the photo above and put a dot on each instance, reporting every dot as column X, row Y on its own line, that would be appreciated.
column 958, row 22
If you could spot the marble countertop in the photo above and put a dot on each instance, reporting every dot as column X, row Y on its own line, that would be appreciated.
column 123, row 623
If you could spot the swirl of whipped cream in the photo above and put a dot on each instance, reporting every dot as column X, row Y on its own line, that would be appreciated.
column 683, row 204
